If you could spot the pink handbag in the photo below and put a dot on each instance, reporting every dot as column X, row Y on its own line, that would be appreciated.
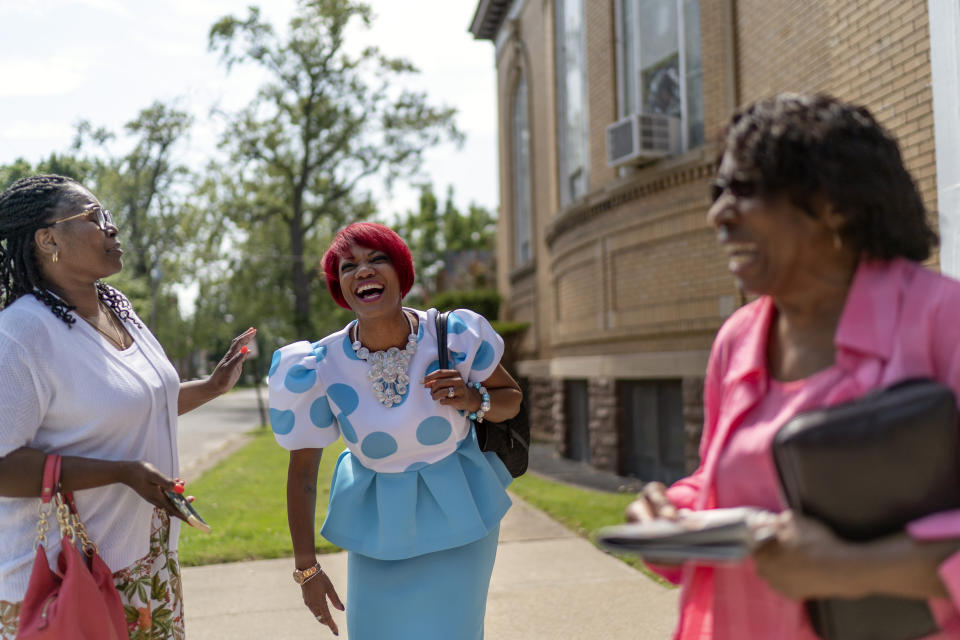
column 79, row 601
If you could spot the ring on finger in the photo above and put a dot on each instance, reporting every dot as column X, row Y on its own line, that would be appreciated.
column 450, row 392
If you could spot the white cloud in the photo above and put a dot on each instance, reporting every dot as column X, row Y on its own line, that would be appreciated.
column 53, row 76
column 51, row 131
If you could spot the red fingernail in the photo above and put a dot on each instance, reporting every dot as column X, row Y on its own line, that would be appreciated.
column 178, row 487
column 243, row 350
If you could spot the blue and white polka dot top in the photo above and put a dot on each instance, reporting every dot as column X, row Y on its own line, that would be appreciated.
column 320, row 391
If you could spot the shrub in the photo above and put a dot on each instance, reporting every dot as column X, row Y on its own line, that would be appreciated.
column 486, row 302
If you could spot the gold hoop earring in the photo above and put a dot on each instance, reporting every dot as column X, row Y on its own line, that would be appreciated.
column 55, row 257
column 837, row 241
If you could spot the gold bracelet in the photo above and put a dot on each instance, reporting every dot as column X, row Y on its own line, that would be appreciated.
column 302, row 576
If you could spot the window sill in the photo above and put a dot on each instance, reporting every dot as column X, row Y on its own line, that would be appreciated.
column 522, row 272
column 650, row 178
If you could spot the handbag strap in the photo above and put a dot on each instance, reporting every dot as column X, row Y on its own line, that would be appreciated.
column 69, row 520
column 51, row 477
column 51, row 482
column 442, row 338
column 48, row 489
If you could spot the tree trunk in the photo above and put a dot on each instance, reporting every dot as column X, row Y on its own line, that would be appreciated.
column 301, row 285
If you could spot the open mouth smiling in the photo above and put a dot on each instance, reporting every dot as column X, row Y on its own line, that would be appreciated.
column 739, row 255
column 369, row 291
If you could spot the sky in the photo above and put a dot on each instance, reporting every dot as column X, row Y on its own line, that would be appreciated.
column 62, row 61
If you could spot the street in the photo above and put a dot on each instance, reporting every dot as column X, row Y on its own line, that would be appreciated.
column 215, row 429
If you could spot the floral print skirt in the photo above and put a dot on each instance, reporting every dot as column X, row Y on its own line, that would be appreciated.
column 149, row 588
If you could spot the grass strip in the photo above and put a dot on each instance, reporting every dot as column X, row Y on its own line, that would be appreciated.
column 583, row 511
column 243, row 498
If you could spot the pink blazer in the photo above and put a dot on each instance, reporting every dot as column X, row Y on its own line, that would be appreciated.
column 900, row 321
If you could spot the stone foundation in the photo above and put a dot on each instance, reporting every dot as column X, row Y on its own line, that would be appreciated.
column 545, row 397
column 541, row 398
column 692, row 420
column 604, row 434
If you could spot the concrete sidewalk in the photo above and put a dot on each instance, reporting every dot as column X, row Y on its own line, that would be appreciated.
column 548, row 583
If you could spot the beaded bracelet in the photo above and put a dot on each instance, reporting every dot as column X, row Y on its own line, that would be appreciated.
column 484, row 402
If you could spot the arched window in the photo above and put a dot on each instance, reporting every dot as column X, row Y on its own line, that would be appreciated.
column 522, row 200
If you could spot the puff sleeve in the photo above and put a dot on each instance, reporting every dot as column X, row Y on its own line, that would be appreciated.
column 475, row 348
column 300, row 413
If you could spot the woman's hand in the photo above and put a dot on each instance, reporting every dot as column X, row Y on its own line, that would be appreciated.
column 448, row 387
column 228, row 370
column 149, row 483
column 197, row 392
column 316, row 591
column 652, row 503
column 807, row 560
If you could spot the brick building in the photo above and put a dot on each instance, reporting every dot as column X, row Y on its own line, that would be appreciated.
column 603, row 243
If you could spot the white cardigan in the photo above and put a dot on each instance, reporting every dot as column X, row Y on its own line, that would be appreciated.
column 68, row 390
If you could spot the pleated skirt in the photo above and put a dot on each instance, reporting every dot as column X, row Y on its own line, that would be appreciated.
column 436, row 596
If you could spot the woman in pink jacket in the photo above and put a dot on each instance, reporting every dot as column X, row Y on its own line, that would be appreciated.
column 819, row 217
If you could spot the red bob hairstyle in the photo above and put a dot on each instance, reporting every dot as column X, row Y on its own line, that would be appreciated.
column 372, row 236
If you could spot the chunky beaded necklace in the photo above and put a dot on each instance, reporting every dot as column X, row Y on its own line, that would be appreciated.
column 389, row 370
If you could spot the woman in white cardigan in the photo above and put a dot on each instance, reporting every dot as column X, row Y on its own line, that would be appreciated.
column 83, row 377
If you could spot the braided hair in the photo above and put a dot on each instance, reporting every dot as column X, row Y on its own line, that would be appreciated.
column 25, row 207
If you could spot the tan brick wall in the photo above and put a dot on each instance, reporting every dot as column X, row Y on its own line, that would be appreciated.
column 882, row 60
column 717, row 47
column 601, row 86
column 782, row 45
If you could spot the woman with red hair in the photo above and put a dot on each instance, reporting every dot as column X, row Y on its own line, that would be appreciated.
column 413, row 499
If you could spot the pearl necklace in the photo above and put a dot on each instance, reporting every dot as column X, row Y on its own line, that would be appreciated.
column 389, row 370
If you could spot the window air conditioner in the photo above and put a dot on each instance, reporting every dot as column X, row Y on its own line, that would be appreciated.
column 642, row 136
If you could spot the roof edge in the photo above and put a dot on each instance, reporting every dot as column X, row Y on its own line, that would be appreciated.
column 488, row 18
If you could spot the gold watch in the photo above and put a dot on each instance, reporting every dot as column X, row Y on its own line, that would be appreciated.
column 300, row 576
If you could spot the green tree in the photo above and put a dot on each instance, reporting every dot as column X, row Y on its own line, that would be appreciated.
column 145, row 186
column 437, row 237
column 60, row 164
column 326, row 122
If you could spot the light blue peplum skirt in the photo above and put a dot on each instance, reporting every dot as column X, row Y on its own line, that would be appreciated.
column 437, row 596
column 422, row 544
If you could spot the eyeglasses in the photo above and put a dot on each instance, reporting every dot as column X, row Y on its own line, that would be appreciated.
column 737, row 188
column 103, row 218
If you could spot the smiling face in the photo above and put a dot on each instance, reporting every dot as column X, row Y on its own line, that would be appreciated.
column 369, row 282
column 772, row 245
column 85, row 252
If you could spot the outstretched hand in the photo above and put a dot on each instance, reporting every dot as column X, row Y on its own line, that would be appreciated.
column 228, row 370
column 315, row 595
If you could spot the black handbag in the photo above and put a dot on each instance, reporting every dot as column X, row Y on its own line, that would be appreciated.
column 866, row 468
column 510, row 439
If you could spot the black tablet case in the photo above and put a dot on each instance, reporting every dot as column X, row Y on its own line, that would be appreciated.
column 866, row 468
